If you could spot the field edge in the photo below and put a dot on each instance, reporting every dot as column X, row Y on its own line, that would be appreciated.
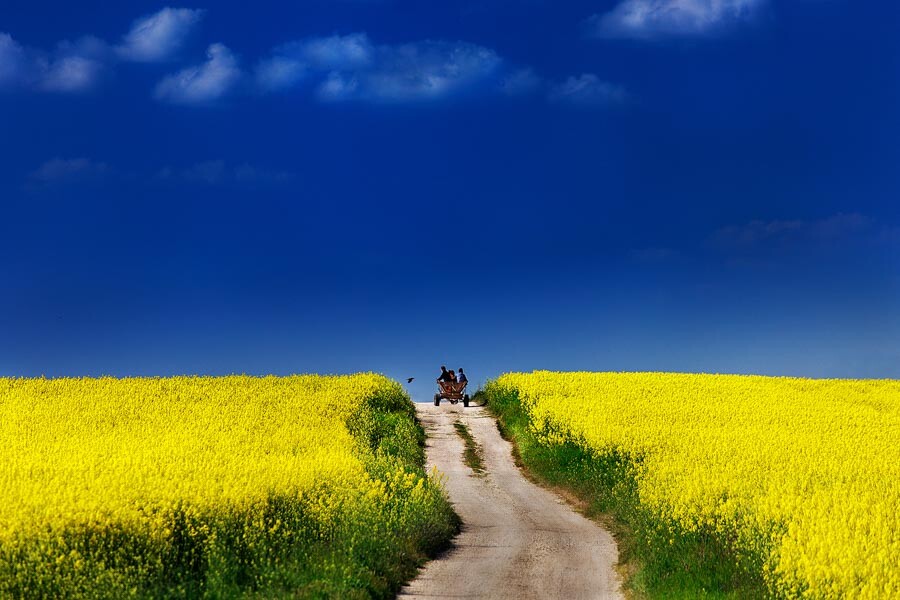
column 603, row 489
column 370, row 543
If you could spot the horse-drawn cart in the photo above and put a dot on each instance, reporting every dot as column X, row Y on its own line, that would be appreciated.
column 452, row 391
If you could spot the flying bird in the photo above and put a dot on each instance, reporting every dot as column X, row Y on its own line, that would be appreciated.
column 410, row 379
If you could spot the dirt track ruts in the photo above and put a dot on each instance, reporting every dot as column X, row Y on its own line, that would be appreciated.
column 518, row 540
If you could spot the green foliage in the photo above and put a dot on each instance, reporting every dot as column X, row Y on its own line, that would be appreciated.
column 472, row 455
column 385, row 426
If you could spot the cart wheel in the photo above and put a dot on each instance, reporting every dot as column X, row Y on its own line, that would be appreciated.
column 437, row 399
column 466, row 401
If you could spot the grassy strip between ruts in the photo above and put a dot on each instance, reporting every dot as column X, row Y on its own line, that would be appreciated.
column 656, row 561
column 472, row 455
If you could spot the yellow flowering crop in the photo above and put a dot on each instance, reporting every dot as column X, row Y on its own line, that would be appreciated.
column 803, row 473
column 191, row 474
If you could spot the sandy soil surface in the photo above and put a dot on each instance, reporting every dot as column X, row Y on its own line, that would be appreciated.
column 518, row 540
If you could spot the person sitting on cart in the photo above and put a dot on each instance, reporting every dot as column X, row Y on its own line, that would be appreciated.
column 445, row 376
column 452, row 376
column 461, row 377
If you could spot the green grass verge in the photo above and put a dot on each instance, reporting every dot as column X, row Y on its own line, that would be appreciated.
column 380, row 556
column 472, row 454
column 657, row 560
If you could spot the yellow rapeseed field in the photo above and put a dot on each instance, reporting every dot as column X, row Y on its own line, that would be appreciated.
column 194, row 475
column 804, row 474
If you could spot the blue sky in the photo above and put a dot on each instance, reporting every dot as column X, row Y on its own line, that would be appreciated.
column 336, row 186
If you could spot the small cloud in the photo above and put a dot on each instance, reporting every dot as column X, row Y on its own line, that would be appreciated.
column 343, row 67
column 649, row 19
column 13, row 62
column 74, row 66
column 588, row 90
column 839, row 225
column 205, row 83
column 250, row 175
column 210, row 172
column 279, row 73
column 166, row 174
column 344, row 53
column 430, row 70
column 71, row 74
column 78, row 66
column 760, row 233
column 87, row 46
column 159, row 36
column 415, row 72
column 352, row 68
column 655, row 255
column 338, row 87
column 217, row 172
column 520, row 81
column 59, row 171
column 290, row 63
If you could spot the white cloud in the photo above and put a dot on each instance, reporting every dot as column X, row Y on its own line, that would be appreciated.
column 588, row 90
column 211, row 172
column 520, row 81
column 759, row 232
column 292, row 62
column 839, row 225
column 217, row 172
column 13, row 62
column 66, row 170
column 248, row 174
column 87, row 46
column 431, row 69
column 159, row 36
column 415, row 72
column 351, row 67
column 202, row 83
column 645, row 19
column 78, row 66
column 344, row 53
column 341, row 68
column 338, row 87
column 655, row 254
column 75, row 66
column 71, row 74
column 279, row 72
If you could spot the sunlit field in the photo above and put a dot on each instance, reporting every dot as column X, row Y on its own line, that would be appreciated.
column 201, row 486
column 792, row 482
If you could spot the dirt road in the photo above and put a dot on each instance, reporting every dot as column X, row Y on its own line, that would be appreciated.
column 518, row 540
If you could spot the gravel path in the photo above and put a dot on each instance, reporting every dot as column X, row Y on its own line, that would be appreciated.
column 518, row 540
